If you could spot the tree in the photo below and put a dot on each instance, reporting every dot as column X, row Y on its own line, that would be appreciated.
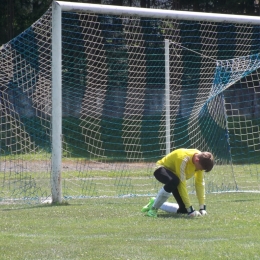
column 247, row 7
column 18, row 15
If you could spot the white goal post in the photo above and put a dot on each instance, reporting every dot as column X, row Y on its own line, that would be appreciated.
column 57, row 8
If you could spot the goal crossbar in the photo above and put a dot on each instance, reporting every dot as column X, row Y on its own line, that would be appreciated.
column 155, row 13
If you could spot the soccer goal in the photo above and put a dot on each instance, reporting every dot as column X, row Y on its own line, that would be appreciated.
column 93, row 95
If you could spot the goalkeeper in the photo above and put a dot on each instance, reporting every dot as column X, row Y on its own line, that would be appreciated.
column 173, row 170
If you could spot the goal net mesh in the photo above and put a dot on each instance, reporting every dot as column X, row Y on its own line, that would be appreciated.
column 113, row 104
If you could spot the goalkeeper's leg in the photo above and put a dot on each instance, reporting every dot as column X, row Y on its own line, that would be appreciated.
column 166, row 206
column 170, row 207
column 171, row 182
column 182, row 209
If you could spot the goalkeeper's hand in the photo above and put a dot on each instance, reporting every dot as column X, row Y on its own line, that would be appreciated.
column 203, row 211
column 192, row 212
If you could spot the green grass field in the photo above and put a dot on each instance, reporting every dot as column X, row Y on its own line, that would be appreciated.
column 106, row 228
column 30, row 179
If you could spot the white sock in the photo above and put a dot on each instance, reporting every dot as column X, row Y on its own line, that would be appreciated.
column 162, row 196
column 169, row 207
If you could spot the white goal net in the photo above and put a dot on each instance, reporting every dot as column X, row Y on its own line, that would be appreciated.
column 122, row 107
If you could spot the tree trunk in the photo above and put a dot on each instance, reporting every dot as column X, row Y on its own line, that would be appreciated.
column 175, row 5
column 143, row 3
column 117, row 2
column 196, row 7
column 10, row 19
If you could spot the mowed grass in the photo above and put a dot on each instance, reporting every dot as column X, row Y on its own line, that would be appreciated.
column 22, row 178
column 115, row 228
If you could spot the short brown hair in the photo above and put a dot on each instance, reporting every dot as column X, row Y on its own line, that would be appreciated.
column 206, row 160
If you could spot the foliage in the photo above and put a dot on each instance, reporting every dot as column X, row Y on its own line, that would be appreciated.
column 17, row 15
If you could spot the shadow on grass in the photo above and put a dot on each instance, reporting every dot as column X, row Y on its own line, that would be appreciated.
column 65, row 203
column 171, row 215
column 176, row 216
column 245, row 200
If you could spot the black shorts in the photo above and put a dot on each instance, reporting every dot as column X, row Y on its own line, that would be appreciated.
column 171, row 182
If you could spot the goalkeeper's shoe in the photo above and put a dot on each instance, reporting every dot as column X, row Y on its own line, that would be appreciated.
column 149, row 205
column 152, row 212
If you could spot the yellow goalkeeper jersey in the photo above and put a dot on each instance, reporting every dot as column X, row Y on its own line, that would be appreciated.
column 180, row 163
